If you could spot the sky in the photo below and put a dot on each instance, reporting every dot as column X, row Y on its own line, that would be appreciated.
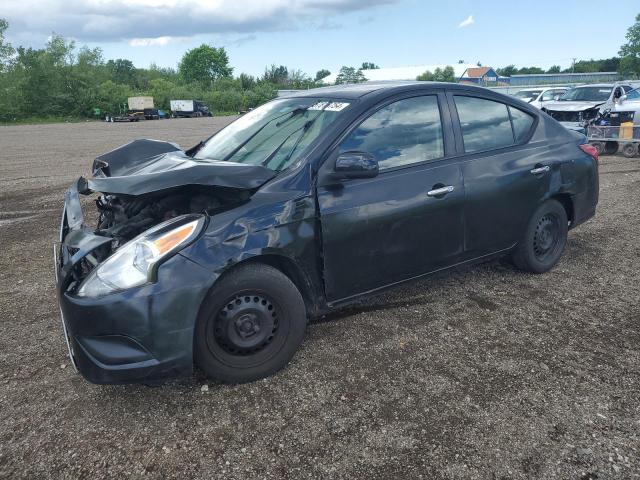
column 325, row 34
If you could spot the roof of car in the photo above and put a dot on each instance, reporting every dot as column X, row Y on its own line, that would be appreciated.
column 539, row 88
column 597, row 85
column 358, row 90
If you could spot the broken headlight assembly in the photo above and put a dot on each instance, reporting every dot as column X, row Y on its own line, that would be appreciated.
column 135, row 263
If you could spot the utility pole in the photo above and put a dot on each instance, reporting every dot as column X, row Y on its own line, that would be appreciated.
column 573, row 65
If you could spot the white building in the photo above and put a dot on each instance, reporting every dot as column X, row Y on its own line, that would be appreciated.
column 403, row 73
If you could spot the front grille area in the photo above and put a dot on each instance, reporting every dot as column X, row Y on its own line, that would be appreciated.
column 565, row 116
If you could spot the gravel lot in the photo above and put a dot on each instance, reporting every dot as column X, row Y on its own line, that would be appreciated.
column 482, row 373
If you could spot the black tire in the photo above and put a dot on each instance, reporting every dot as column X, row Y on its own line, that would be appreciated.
column 250, row 325
column 611, row 147
column 544, row 239
column 629, row 150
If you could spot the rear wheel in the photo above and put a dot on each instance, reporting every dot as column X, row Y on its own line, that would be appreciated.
column 544, row 239
column 611, row 148
column 250, row 326
column 630, row 150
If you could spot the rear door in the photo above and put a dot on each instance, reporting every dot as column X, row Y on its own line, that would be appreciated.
column 505, row 177
column 386, row 229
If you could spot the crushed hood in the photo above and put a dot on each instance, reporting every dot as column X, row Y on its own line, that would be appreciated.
column 146, row 166
column 571, row 106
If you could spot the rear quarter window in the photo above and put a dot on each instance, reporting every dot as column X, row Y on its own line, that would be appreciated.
column 522, row 123
column 485, row 124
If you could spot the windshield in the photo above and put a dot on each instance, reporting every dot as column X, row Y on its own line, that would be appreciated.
column 273, row 135
column 634, row 94
column 587, row 94
column 528, row 93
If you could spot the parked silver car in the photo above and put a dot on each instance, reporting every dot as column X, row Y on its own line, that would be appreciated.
column 539, row 97
column 583, row 103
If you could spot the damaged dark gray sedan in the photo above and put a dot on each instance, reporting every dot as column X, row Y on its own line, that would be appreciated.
column 217, row 256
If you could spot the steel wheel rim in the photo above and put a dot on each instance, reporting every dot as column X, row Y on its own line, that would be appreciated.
column 546, row 237
column 246, row 325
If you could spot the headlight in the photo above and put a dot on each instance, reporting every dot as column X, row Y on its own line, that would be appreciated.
column 135, row 263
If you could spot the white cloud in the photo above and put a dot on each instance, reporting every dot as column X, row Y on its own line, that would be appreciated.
column 148, row 42
column 467, row 22
column 146, row 22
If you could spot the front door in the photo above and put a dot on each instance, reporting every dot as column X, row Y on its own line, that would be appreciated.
column 405, row 222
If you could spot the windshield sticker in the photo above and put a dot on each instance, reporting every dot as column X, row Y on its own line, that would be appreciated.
column 604, row 90
column 336, row 106
column 329, row 106
column 318, row 106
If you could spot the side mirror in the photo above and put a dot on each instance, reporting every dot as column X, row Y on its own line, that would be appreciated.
column 622, row 98
column 356, row 165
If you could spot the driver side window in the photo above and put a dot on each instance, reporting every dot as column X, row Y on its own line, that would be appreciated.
column 402, row 133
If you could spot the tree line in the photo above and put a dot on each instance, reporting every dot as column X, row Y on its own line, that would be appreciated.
column 63, row 80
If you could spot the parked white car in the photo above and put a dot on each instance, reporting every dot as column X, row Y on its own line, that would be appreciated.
column 629, row 102
column 583, row 103
column 539, row 96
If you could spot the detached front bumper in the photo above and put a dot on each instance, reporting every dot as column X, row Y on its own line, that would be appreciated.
column 145, row 333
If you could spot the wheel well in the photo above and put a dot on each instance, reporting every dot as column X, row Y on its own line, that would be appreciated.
column 294, row 273
column 567, row 203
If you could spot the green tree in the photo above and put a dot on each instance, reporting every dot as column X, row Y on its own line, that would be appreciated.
column 632, row 47
column 111, row 96
column 205, row 65
column 247, row 82
column 350, row 75
column 426, row 76
column 630, row 51
column 122, row 71
column 530, row 71
column 278, row 75
column 369, row 66
column 554, row 69
column 6, row 50
column 507, row 71
column 320, row 74
column 446, row 74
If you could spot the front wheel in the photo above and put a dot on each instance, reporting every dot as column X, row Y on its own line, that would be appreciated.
column 250, row 325
column 544, row 239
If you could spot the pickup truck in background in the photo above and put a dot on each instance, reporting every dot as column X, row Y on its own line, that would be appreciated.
column 189, row 108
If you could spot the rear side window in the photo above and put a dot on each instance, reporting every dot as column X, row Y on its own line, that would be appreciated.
column 402, row 133
column 485, row 124
column 522, row 123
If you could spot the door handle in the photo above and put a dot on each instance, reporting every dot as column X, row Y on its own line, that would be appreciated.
column 436, row 192
column 538, row 170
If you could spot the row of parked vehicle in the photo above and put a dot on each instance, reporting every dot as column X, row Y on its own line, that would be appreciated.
column 142, row 108
column 608, row 113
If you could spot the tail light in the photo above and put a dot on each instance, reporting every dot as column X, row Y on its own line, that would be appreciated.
column 590, row 150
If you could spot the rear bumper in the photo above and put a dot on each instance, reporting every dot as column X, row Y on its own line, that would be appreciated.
column 145, row 333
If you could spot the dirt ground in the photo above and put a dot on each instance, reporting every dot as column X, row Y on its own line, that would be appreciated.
column 484, row 373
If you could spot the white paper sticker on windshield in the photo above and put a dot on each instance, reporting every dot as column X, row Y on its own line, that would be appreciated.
column 604, row 90
column 329, row 106
column 336, row 106
column 318, row 106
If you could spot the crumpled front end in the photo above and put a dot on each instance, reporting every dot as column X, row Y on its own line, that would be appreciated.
column 573, row 115
column 142, row 333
